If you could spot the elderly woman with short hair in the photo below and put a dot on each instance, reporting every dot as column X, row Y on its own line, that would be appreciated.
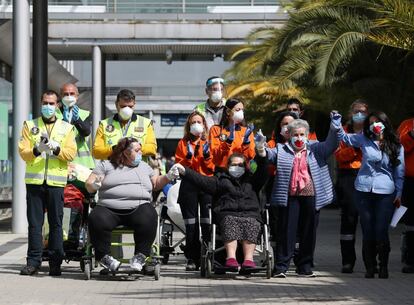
column 302, row 186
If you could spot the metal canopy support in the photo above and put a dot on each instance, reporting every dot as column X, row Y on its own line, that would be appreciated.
column 40, row 53
column 21, row 106
column 98, row 90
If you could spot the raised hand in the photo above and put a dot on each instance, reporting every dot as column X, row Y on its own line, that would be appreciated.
column 336, row 120
column 260, row 141
column 249, row 130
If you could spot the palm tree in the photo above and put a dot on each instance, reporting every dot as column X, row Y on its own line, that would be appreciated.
column 318, row 44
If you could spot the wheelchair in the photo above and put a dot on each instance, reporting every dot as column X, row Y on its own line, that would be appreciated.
column 211, row 252
column 74, row 250
column 152, row 265
column 170, row 220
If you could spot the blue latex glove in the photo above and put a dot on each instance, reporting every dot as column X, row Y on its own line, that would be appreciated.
column 75, row 113
column 230, row 139
column 336, row 122
column 249, row 131
column 66, row 113
column 190, row 151
column 206, row 150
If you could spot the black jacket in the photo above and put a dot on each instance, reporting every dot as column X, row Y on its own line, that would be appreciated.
column 236, row 197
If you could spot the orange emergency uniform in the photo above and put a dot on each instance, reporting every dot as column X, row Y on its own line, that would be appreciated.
column 197, row 162
column 221, row 149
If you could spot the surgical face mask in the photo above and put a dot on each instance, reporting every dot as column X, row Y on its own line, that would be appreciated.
column 138, row 159
column 69, row 100
column 216, row 97
column 377, row 128
column 196, row 129
column 236, row 171
column 238, row 116
column 284, row 132
column 358, row 117
column 125, row 113
column 298, row 142
column 48, row 111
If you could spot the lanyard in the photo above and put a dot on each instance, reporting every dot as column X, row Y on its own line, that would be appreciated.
column 125, row 130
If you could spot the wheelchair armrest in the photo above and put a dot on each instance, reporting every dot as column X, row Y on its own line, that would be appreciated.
column 91, row 200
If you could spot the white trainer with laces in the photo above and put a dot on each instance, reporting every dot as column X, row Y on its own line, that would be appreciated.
column 110, row 263
column 137, row 261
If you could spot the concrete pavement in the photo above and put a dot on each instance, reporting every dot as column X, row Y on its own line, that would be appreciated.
column 179, row 287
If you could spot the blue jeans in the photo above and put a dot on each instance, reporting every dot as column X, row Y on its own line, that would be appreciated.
column 375, row 211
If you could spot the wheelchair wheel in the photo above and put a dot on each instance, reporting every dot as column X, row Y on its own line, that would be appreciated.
column 209, row 264
column 157, row 272
column 270, row 263
column 203, row 260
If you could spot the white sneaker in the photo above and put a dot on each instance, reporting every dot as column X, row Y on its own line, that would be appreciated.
column 110, row 263
column 137, row 261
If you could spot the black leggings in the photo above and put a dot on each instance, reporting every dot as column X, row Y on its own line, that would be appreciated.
column 102, row 221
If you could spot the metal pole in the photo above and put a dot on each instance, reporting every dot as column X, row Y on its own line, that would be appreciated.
column 21, row 106
column 96, row 86
column 40, row 35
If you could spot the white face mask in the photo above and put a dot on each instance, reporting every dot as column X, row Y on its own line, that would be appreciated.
column 236, row 171
column 126, row 113
column 284, row 132
column 216, row 97
column 69, row 100
column 238, row 116
column 196, row 129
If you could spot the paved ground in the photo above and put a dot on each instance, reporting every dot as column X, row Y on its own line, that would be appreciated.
column 178, row 287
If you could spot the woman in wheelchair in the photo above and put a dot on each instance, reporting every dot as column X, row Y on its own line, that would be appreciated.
column 125, row 184
column 236, row 206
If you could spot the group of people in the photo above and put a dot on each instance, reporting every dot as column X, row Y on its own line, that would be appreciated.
column 223, row 163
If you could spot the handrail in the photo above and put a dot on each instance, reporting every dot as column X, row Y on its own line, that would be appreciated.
column 157, row 7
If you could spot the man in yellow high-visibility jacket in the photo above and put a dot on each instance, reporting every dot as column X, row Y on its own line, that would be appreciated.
column 124, row 124
column 47, row 145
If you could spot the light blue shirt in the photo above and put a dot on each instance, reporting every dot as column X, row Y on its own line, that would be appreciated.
column 376, row 174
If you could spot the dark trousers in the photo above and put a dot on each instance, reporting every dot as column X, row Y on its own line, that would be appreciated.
column 102, row 221
column 190, row 198
column 42, row 198
column 375, row 212
column 298, row 220
column 408, row 201
column 349, row 214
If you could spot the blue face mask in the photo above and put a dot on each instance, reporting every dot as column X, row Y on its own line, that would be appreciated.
column 358, row 117
column 48, row 111
column 137, row 160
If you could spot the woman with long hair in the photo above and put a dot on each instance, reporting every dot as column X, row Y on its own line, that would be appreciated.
column 231, row 136
column 193, row 151
column 378, row 186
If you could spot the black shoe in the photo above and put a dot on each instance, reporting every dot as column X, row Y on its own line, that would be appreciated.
column 369, row 274
column 191, row 266
column 29, row 270
column 383, row 273
column 54, row 270
column 347, row 268
column 408, row 269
